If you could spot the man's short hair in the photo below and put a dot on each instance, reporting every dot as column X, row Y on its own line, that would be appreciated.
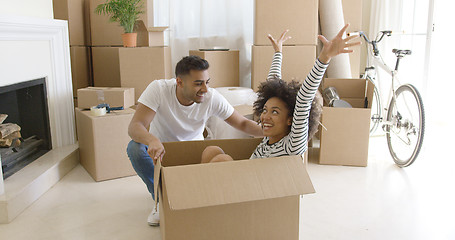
column 189, row 63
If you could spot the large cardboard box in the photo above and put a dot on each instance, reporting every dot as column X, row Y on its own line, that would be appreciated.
column 242, row 199
column 344, row 141
column 102, row 143
column 273, row 17
column 115, row 97
column 130, row 67
column 105, row 33
column 140, row 66
column 76, row 12
column 80, row 68
column 352, row 11
column 297, row 63
column 224, row 67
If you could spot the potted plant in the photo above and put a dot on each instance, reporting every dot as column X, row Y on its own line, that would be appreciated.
column 126, row 13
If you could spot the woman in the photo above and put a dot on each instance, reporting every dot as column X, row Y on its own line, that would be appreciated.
column 284, row 108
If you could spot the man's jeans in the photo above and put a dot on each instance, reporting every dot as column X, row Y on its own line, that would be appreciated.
column 142, row 163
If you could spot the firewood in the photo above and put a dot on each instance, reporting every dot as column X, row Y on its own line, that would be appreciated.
column 5, row 142
column 3, row 117
column 8, row 128
column 16, row 142
column 14, row 135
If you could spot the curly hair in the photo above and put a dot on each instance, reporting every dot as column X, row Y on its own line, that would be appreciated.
column 287, row 92
column 276, row 87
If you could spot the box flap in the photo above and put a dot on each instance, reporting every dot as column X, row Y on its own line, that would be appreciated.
column 347, row 88
column 156, row 183
column 203, row 185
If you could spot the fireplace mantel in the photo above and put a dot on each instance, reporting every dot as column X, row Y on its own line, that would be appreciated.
column 50, row 38
column 60, row 98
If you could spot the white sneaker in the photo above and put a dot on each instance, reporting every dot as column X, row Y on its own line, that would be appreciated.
column 154, row 217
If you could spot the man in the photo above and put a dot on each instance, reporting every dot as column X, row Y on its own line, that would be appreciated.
column 177, row 110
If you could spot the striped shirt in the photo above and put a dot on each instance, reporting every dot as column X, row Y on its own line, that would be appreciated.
column 296, row 142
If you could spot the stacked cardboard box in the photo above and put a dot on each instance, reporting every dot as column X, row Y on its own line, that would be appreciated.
column 224, row 66
column 102, row 143
column 299, row 52
column 115, row 97
column 103, row 139
column 117, row 66
column 130, row 67
column 76, row 13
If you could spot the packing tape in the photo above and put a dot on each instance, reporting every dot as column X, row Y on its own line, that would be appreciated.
column 98, row 111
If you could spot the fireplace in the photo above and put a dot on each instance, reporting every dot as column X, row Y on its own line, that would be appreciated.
column 25, row 104
column 36, row 48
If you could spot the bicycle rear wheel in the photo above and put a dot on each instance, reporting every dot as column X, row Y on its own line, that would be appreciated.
column 405, row 125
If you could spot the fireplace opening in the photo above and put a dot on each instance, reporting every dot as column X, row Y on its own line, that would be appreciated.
column 25, row 105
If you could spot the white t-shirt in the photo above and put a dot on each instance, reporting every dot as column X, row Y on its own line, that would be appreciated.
column 175, row 122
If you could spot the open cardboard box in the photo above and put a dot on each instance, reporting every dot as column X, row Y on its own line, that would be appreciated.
column 243, row 199
column 344, row 140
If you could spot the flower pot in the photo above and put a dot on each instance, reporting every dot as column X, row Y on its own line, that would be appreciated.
column 129, row 39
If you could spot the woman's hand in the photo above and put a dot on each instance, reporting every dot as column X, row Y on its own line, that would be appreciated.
column 278, row 45
column 336, row 46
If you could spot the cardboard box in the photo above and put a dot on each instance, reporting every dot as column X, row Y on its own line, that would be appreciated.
column 150, row 36
column 130, row 67
column 105, row 33
column 273, row 17
column 80, row 68
column 76, row 12
column 297, row 63
column 115, row 97
column 352, row 11
column 224, row 67
column 140, row 66
column 345, row 139
column 102, row 143
column 244, row 199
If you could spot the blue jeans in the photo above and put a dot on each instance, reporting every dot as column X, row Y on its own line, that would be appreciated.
column 142, row 163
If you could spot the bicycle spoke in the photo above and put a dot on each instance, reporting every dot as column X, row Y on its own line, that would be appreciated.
column 405, row 121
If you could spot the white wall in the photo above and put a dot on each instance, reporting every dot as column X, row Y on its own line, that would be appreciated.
column 23, row 61
column 29, row 8
column 27, row 60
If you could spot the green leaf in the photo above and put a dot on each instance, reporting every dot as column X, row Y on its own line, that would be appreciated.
column 125, row 12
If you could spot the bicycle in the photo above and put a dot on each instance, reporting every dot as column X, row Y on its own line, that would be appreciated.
column 404, row 125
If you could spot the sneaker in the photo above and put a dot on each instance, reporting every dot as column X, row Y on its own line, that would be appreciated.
column 154, row 217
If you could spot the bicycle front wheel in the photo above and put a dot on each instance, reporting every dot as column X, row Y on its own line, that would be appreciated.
column 405, row 125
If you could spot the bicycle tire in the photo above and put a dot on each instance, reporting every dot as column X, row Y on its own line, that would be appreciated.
column 399, row 123
column 376, row 111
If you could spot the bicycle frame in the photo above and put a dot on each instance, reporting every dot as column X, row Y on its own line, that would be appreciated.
column 378, row 62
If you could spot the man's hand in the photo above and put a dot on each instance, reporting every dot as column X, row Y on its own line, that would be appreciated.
column 278, row 45
column 156, row 150
column 336, row 46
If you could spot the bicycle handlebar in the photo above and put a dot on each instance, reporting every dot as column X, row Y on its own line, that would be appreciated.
column 373, row 42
